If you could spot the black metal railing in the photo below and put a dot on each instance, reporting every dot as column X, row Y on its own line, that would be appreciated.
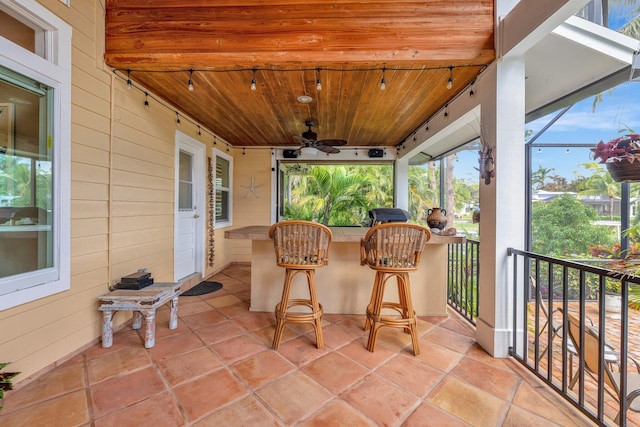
column 556, row 307
column 462, row 281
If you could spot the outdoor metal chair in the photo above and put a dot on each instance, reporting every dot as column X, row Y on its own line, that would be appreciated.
column 610, row 356
column 592, row 364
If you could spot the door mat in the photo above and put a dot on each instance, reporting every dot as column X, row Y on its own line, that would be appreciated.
column 202, row 288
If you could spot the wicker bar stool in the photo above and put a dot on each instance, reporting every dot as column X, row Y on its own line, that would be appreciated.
column 301, row 247
column 392, row 250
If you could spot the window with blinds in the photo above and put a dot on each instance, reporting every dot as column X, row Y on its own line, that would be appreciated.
column 223, row 174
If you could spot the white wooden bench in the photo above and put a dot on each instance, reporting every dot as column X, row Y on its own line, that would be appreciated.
column 143, row 303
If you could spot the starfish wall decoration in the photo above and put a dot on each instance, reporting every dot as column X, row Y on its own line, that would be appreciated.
column 252, row 188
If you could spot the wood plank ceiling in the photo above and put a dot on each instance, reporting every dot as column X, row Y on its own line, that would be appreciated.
column 291, row 44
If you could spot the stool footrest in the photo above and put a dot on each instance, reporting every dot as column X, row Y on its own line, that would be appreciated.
column 391, row 321
column 298, row 317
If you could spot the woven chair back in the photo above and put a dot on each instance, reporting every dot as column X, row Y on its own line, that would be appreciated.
column 394, row 246
column 301, row 244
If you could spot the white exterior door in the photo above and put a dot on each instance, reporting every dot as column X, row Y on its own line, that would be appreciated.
column 189, row 207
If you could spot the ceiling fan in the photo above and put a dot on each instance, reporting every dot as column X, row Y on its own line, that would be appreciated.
column 310, row 139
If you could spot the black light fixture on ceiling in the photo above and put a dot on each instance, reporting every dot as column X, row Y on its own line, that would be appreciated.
column 146, row 101
column 253, row 80
column 450, row 81
column 129, row 84
column 383, row 82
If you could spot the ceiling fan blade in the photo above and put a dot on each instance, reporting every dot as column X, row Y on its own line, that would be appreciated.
column 327, row 148
column 302, row 139
column 333, row 142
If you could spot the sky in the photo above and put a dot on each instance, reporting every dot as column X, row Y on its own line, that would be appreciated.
column 619, row 109
column 582, row 124
column 613, row 116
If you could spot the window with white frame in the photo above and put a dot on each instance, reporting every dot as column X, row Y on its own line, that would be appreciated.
column 35, row 123
column 223, row 185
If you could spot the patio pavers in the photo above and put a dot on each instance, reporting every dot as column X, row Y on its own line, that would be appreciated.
column 226, row 373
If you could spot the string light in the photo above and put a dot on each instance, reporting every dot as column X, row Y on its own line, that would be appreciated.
column 450, row 81
column 148, row 96
column 243, row 153
column 318, row 82
column 253, row 80
column 129, row 83
column 190, row 85
column 539, row 150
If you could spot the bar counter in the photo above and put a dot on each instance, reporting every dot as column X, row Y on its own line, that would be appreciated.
column 344, row 286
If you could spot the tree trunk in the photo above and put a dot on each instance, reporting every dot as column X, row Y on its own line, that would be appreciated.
column 432, row 175
column 611, row 208
column 450, row 199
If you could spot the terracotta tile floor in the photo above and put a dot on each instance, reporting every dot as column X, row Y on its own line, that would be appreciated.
column 218, row 369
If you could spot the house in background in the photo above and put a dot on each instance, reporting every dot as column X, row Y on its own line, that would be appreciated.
column 125, row 165
column 601, row 203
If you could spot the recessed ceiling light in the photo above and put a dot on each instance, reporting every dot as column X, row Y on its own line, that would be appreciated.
column 305, row 99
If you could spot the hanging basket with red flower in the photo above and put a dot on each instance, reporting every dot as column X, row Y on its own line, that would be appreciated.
column 621, row 156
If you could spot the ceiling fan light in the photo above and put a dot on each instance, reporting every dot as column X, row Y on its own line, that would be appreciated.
column 310, row 151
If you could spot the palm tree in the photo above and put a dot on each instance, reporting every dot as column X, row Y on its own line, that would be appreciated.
column 422, row 194
column 540, row 176
column 631, row 28
column 377, row 184
column 598, row 183
column 335, row 196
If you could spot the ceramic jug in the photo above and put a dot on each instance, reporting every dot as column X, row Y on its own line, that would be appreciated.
column 437, row 218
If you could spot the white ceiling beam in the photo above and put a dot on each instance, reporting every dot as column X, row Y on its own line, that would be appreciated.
column 529, row 22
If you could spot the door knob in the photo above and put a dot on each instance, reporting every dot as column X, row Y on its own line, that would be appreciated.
column 196, row 216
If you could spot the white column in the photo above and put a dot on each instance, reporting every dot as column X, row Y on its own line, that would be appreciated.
column 502, row 201
column 401, row 184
